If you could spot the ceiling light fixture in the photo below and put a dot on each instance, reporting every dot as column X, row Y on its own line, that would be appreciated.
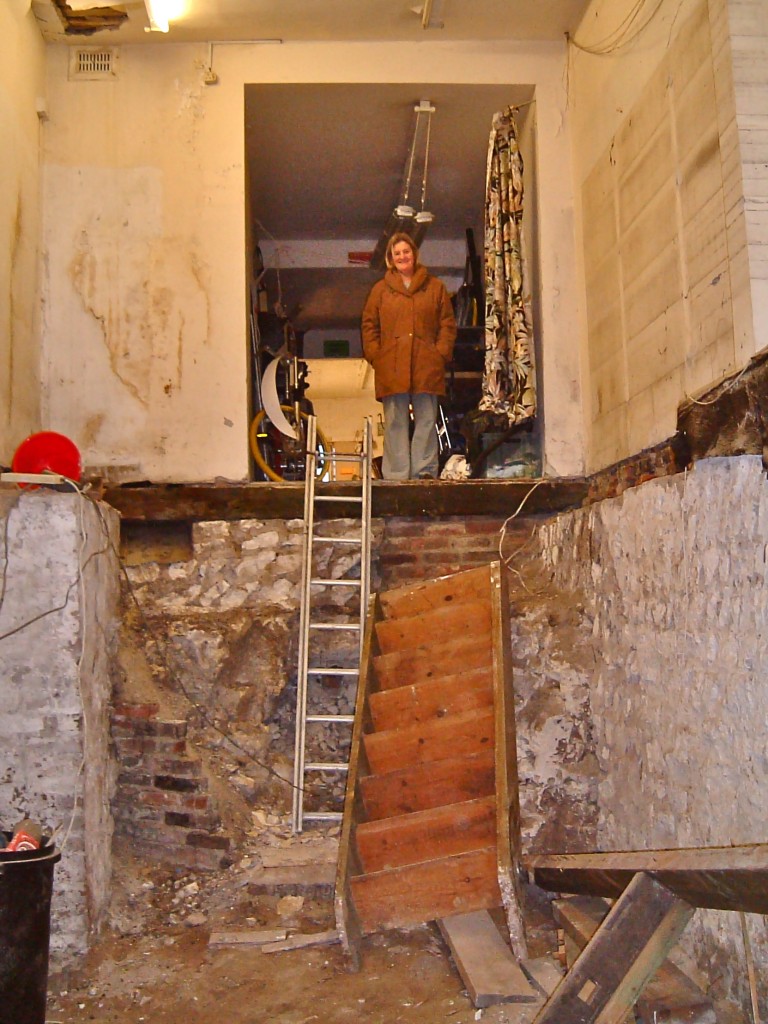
column 404, row 217
column 157, row 12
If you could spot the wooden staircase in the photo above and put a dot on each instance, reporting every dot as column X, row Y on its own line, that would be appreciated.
column 431, row 819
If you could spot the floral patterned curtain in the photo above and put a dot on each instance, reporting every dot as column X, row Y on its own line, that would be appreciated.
column 509, row 382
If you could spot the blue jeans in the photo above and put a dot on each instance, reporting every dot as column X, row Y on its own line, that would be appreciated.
column 405, row 457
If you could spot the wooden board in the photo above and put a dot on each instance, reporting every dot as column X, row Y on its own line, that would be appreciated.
column 426, row 835
column 433, row 698
column 422, row 786
column 669, row 996
column 447, row 658
column 418, row 893
column 421, row 597
column 719, row 878
column 246, row 939
column 302, row 941
column 483, row 959
column 626, row 950
column 472, row 618
column 436, row 740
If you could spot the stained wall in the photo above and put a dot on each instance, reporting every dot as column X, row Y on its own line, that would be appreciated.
column 22, row 85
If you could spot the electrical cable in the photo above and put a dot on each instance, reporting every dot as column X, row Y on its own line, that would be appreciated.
column 611, row 45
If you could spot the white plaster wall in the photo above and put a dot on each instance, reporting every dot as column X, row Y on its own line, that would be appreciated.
column 675, row 576
column 144, row 197
column 22, row 82
column 58, row 611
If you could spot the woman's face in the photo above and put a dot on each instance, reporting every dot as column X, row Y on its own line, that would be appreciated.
column 402, row 258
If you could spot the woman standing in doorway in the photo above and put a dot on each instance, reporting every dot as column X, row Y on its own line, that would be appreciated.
column 408, row 333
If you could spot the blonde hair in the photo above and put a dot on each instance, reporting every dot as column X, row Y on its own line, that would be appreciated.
column 400, row 236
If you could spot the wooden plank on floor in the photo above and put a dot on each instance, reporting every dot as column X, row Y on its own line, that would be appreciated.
column 436, row 740
column 417, row 893
column 246, row 939
column 426, row 835
column 718, row 878
column 422, row 786
column 404, row 668
column 483, row 959
column 623, row 954
column 670, row 995
column 297, row 941
column 470, row 619
column 439, row 593
column 433, row 698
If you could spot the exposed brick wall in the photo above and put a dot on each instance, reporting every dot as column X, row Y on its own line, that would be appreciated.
column 416, row 549
column 162, row 803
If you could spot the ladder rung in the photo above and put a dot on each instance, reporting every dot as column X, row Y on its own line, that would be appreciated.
column 334, row 625
column 329, row 671
column 331, row 718
column 322, row 815
column 339, row 457
column 335, row 583
column 326, row 766
column 334, row 497
column 338, row 540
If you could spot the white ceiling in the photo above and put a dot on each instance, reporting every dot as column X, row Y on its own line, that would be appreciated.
column 299, row 20
column 326, row 161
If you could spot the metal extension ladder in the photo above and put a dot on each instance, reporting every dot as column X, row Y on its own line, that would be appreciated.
column 313, row 496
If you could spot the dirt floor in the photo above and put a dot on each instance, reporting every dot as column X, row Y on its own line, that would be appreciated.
column 154, row 963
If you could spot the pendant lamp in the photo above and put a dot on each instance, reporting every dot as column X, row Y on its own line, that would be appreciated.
column 404, row 217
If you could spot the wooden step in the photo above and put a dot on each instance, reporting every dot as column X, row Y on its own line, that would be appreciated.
column 434, row 698
column 428, row 785
column 420, row 597
column 404, row 668
column 436, row 740
column 423, row 630
column 426, row 835
column 416, row 893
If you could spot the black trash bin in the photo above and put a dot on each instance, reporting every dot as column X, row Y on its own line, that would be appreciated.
column 26, row 886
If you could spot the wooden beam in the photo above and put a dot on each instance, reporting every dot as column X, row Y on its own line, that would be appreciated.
column 196, row 502
column 718, row 878
column 670, row 997
column 625, row 951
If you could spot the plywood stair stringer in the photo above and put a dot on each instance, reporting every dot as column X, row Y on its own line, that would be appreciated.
column 431, row 821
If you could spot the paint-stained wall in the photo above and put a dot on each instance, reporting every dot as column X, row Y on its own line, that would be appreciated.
column 667, row 274
column 22, row 84
column 145, row 291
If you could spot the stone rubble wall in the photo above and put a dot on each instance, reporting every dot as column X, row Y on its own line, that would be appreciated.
column 674, row 576
column 58, row 626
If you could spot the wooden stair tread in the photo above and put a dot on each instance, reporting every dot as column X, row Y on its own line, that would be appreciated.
column 425, row 835
column 435, row 740
column 421, row 630
column 420, row 597
column 432, row 698
column 416, row 893
column 402, row 668
column 423, row 786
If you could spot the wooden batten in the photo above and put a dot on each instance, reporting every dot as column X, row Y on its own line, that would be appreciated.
column 433, row 889
column 472, row 618
column 436, row 740
column 440, row 593
column 434, row 698
column 428, row 785
column 427, row 835
column 446, row 657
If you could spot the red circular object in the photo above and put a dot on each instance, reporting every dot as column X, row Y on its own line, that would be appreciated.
column 48, row 452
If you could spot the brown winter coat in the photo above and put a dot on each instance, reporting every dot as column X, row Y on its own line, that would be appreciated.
column 408, row 334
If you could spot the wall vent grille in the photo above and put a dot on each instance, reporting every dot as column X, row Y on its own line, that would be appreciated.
column 92, row 62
